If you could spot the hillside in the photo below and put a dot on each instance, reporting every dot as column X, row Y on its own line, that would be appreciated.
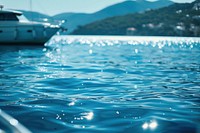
column 77, row 19
column 175, row 20
column 35, row 16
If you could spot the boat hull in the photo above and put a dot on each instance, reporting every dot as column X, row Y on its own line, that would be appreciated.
column 26, row 34
column 22, row 43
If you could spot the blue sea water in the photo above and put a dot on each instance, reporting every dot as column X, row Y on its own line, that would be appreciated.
column 100, row 84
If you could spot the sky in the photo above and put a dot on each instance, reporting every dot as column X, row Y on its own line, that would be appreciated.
column 53, row 7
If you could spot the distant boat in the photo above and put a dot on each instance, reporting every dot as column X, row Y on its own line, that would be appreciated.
column 16, row 29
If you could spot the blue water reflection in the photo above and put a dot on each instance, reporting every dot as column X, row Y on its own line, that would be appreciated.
column 103, row 84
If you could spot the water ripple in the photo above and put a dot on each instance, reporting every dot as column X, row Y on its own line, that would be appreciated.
column 103, row 84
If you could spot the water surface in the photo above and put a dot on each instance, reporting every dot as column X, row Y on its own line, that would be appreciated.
column 103, row 84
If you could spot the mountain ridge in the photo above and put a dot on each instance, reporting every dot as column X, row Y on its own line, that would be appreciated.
column 174, row 20
column 126, row 7
column 74, row 20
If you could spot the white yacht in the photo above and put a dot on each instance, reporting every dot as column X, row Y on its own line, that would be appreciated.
column 16, row 29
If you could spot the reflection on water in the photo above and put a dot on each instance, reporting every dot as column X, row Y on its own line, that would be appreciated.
column 103, row 84
column 152, row 125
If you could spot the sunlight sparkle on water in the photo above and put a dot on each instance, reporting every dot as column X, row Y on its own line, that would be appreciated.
column 136, row 51
column 159, row 42
column 145, row 125
column 88, row 116
column 152, row 125
column 71, row 104
column 90, row 51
